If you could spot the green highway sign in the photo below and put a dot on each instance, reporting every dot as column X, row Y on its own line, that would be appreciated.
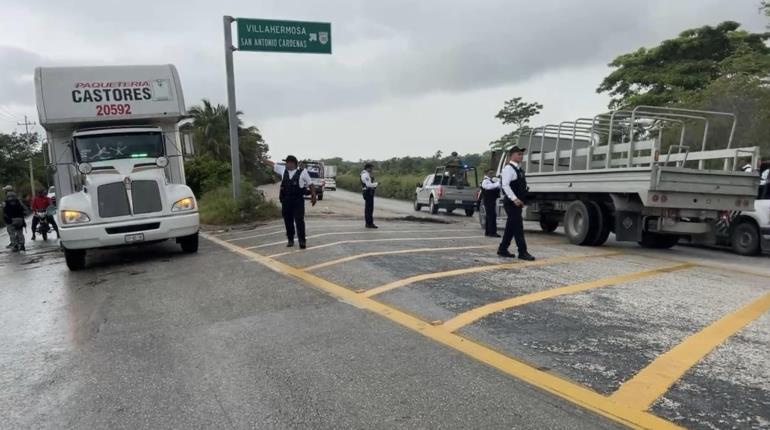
column 284, row 36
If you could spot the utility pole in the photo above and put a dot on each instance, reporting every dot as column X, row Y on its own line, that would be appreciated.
column 232, row 116
column 26, row 125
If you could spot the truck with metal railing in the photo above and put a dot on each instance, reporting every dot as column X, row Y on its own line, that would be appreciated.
column 632, row 172
column 114, row 145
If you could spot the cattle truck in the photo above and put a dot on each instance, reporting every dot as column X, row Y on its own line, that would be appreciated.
column 648, row 174
column 114, row 145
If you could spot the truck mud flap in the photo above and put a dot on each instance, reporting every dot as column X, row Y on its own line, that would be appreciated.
column 628, row 226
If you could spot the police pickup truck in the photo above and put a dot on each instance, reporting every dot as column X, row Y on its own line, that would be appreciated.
column 448, row 188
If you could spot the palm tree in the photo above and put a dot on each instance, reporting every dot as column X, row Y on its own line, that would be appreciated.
column 211, row 129
column 211, row 132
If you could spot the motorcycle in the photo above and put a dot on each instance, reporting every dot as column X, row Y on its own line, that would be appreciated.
column 43, row 227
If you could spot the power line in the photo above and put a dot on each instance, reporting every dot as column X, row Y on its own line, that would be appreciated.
column 7, row 114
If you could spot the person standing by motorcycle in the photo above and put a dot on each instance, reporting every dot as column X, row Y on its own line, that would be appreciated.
column 13, row 215
column 40, row 204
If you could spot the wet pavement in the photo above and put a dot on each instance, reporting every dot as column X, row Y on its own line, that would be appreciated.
column 414, row 325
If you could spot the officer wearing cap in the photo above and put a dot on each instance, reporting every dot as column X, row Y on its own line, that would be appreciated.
column 514, row 185
column 368, row 187
column 295, row 184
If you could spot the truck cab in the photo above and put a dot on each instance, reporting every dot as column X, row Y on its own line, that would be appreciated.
column 118, row 168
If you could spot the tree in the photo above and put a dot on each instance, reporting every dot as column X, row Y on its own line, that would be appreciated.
column 15, row 152
column 681, row 67
column 518, row 113
column 211, row 134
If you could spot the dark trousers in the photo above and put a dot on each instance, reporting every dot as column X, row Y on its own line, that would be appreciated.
column 369, row 207
column 491, row 222
column 294, row 213
column 514, row 228
column 51, row 222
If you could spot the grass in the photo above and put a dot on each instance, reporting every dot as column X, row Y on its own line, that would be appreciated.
column 399, row 187
column 217, row 207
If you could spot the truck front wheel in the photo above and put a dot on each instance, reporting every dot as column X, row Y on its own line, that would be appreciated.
column 417, row 206
column 75, row 259
column 745, row 238
column 548, row 224
column 189, row 243
column 433, row 206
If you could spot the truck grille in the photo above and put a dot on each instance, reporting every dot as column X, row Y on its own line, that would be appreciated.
column 146, row 197
column 113, row 200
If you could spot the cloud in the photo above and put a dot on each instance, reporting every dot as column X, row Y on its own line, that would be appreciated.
column 385, row 53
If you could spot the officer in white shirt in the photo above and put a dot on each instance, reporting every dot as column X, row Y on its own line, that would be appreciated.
column 514, row 186
column 295, row 184
column 490, row 192
column 368, row 187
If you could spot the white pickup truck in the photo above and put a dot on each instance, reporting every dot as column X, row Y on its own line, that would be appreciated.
column 115, row 147
column 608, row 174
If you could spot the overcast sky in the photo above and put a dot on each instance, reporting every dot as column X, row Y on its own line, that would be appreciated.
column 405, row 78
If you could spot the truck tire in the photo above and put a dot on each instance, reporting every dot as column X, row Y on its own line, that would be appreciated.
column 189, row 243
column 75, row 259
column 548, row 225
column 744, row 238
column 469, row 212
column 604, row 224
column 581, row 222
column 417, row 206
column 483, row 217
column 450, row 210
column 658, row 241
column 432, row 205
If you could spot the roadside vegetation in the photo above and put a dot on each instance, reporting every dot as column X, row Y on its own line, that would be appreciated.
column 209, row 173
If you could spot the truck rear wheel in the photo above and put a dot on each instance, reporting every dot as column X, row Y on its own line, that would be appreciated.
column 581, row 222
column 75, row 259
column 658, row 241
column 745, row 238
column 189, row 243
column 604, row 224
column 469, row 212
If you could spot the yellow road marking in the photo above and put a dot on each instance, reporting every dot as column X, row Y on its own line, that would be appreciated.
column 342, row 233
column 445, row 274
column 574, row 393
column 476, row 314
column 654, row 380
column 390, row 239
column 402, row 251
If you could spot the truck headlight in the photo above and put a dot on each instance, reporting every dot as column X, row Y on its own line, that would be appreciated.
column 185, row 204
column 74, row 217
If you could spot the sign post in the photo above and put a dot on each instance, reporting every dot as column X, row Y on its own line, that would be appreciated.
column 267, row 35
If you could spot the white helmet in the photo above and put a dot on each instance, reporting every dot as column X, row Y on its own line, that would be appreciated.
column 8, row 188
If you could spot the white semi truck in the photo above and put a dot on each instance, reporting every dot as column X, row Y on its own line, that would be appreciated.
column 613, row 173
column 115, row 147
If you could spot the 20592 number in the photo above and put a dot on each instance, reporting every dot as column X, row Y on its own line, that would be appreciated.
column 113, row 109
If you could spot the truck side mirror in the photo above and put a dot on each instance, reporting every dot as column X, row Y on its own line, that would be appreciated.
column 419, row 185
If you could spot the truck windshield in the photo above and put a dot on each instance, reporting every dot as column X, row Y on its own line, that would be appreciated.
column 114, row 146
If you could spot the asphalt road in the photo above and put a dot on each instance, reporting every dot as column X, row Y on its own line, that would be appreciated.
column 414, row 325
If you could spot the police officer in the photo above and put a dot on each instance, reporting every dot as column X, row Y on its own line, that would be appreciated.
column 490, row 192
column 295, row 184
column 514, row 185
column 368, row 187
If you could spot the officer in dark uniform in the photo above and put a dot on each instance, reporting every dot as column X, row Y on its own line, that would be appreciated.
column 368, row 187
column 490, row 192
column 515, row 188
column 295, row 184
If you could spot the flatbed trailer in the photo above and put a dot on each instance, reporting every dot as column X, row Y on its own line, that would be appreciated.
column 610, row 173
